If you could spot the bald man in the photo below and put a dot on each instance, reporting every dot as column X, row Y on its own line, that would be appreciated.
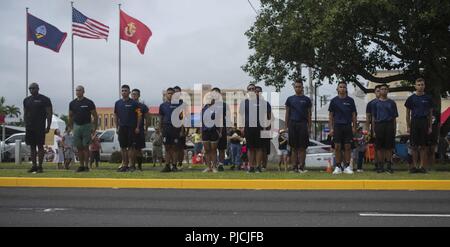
column 80, row 111
column 37, row 109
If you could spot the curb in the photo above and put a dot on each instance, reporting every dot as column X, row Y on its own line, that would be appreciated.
column 250, row 184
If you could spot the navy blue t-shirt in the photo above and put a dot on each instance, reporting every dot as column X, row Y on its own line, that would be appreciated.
column 144, row 110
column 126, row 112
column 369, row 106
column 253, row 105
column 211, row 114
column 420, row 106
column 384, row 110
column 165, row 110
column 342, row 109
column 298, row 107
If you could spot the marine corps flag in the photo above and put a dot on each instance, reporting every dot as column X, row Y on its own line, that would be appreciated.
column 44, row 34
column 134, row 31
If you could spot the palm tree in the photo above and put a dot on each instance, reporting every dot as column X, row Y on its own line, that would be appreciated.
column 12, row 111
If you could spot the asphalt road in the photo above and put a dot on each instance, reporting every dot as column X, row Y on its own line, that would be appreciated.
column 193, row 208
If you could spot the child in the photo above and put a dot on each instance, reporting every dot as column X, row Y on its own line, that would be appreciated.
column 244, row 156
column 94, row 149
column 68, row 148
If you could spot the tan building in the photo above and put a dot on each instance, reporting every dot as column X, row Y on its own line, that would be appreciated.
column 105, row 118
column 399, row 98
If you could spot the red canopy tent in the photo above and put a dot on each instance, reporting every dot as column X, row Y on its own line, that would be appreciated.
column 445, row 115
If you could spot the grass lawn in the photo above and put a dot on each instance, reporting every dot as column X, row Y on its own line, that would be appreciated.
column 107, row 170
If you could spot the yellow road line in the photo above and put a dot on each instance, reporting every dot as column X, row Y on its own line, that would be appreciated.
column 272, row 184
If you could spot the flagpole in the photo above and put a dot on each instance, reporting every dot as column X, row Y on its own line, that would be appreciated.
column 120, row 63
column 26, row 48
column 73, row 78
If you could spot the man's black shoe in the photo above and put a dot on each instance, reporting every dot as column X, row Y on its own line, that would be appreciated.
column 422, row 170
column 86, row 169
column 174, row 168
column 251, row 170
column 258, row 169
column 220, row 168
column 413, row 170
column 80, row 169
column 132, row 169
column 123, row 169
column 39, row 169
column 140, row 167
column 166, row 169
column 33, row 169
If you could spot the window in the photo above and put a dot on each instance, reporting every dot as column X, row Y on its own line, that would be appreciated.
column 106, row 121
column 100, row 121
column 112, row 120
column 108, row 136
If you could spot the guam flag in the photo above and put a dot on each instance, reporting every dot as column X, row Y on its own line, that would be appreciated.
column 44, row 34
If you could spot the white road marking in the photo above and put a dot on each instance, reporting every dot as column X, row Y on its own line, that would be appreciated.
column 402, row 215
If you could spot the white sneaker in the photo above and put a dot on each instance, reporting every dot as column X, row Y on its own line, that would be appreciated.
column 348, row 170
column 214, row 170
column 360, row 170
column 337, row 170
column 207, row 170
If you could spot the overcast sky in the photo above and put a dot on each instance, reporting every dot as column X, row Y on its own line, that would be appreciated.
column 194, row 41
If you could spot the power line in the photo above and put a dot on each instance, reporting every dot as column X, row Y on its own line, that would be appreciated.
column 251, row 5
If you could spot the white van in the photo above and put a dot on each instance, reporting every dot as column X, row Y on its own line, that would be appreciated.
column 109, row 141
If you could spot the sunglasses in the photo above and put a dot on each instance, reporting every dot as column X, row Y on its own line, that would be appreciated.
column 31, row 88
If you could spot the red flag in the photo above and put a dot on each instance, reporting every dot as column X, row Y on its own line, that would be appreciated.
column 134, row 31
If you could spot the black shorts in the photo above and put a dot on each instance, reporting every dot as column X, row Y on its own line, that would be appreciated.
column 343, row 134
column 253, row 137
column 181, row 142
column 35, row 137
column 139, row 140
column 126, row 136
column 298, row 134
column 385, row 135
column 222, row 145
column 171, row 135
column 432, row 138
column 210, row 135
column 419, row 132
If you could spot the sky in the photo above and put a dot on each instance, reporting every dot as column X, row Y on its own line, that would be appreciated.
column 193, row 41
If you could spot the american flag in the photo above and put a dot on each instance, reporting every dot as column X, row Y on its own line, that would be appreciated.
column 88, row 28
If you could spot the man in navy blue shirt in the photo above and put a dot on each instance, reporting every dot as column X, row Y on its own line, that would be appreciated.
column 37, row 111
column 384, row 115
column 179, row 146
column 369, row 126
column 298, row 121
column 342, row 122
column 128, row 119
column 171, row 135
column 222, row 144
column 139, row 140
column 419, row 109
column 266, row 140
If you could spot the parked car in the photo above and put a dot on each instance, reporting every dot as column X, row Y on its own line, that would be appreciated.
column 8, row 148
column 318, row 155
column 109, row 141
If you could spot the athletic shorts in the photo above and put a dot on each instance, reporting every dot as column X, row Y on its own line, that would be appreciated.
column 385, row 135
column 210, row 135
column 343, row 134
column 139, row 140
column 182, row 142
column 222, row 145
column 419, row 132
column 171, row 135
column 298, row 134
column 253, row 137
column 82, row 135
column 432, row 138
column 126, row 136
column 35, row 137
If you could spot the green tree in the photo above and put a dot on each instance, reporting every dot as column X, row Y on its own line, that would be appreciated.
column 350, row 40
column 8, row 110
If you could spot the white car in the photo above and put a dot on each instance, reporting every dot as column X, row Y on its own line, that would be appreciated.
column 109, row 141
column 8, row 147
column 318, row 155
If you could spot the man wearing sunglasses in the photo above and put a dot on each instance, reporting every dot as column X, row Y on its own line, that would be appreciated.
column 37, row 109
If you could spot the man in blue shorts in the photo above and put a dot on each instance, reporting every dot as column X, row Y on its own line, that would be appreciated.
column 419, row 110
column 384, row 115
column 139, row 140
column 342, row 122
column 128, row 119
column 298, row 121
